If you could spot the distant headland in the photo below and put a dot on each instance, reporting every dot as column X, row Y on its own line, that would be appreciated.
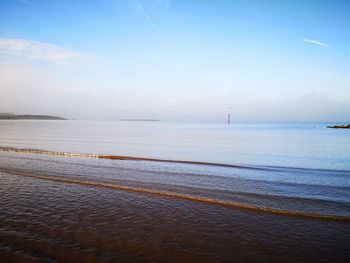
column 139, row 120
column 11, row 116
column 339, row 126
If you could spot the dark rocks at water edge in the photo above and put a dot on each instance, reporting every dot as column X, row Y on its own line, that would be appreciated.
column 339, row 126
column 11, row 116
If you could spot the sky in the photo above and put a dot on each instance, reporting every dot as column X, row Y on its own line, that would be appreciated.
column 176, row 60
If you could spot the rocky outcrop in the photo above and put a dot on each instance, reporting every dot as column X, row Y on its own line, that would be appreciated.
column 339, row 126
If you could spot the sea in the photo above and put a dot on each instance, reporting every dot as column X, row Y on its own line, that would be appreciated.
column 154, row 191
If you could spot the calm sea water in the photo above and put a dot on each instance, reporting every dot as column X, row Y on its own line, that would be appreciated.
column 286, row 193
column 303, row 145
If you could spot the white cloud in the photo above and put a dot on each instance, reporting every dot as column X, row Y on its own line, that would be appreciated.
column 36, row 50
column 316, row 42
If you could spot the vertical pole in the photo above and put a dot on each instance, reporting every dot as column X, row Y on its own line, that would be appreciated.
column 229, row 116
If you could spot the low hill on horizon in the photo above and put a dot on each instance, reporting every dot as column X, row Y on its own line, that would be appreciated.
column 11, row 116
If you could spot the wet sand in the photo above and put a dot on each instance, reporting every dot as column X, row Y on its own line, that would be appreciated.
column 47, row 221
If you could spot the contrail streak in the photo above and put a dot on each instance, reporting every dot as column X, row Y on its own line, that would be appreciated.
column 158, row 32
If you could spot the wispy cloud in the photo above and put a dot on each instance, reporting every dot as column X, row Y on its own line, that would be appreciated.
column 36, row 50
column 316, row 42
column 158, row 32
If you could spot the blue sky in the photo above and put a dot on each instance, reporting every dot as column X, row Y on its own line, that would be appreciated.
column 176, row 59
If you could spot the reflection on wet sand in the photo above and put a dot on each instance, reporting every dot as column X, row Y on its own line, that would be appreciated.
column 60, row 222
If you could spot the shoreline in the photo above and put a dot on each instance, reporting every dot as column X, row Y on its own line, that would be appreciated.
column 142, row 187
column 120, row 157
column 186, row 197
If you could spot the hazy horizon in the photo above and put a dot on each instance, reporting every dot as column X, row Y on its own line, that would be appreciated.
column 176, row 60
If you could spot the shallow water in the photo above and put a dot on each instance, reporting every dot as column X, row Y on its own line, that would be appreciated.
column 251, row 187
column 264, row 206
column 47, row 221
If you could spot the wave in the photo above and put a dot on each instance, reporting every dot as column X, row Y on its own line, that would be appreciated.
column 121, row 157
column 169, row 172
column 262, row 168
column 187, row 197
column 133, row 158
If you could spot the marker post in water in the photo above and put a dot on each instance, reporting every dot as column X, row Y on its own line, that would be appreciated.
column 229, row 116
